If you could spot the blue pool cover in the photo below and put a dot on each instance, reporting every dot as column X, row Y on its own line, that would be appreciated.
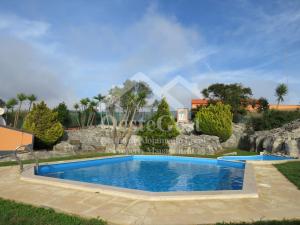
column 152, row 173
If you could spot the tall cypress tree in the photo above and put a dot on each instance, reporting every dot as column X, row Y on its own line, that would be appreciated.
column 160, row 128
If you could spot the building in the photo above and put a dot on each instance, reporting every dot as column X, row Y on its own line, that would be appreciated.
column 11, row 138
column 204, row 102
column 199, row 102
column 182, row 115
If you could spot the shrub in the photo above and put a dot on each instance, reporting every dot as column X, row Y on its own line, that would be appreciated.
column 273, row 119
column 215, row 120
column 63, row 114
column 158, row 130
column 44, row 124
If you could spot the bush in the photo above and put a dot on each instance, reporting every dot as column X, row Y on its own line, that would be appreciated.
column 215, row 120
column 63, row 114
column 44, row 124
column 158, row 130
column 273, row 119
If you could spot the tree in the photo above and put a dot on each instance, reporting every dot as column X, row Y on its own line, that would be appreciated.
column 280, row 92
column 2, row 103
column 263, row 105
column 21, row 97
column 84, row 108
column 234, row 95
column 10, row 105
column 158, row 130
column 31, row 98
column 215, row 120
column 63, row 114
column 92, row 109
column 78, row 118
column 99, row 98
column 129, row 98
column 44, row 124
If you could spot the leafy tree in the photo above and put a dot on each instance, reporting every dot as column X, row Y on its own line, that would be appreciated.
column 31, row 98
column 21, row 97
column 272, row 119
column 63, row 114
column 158, row 130
column 263, row 105
column 130, row 98
column 215, row 120
column 44, row 124
column 234, row 95
column 2, row 103
column 280, row 92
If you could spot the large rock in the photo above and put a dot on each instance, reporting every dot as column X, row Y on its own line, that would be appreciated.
column 186, row 128
column 283, row 140
column 65, row 147
column 99, row 139
column 195, row 144
column 238, row 134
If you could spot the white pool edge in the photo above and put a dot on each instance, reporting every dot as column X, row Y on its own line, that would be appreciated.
column 249, row 187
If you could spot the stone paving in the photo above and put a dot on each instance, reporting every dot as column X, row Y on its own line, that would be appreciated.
column 278, row 199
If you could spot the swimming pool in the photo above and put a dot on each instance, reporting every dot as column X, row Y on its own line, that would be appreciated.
column 152, row 173
column 256, row 158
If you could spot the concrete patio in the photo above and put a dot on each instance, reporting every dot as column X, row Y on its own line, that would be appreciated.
column 278, row 199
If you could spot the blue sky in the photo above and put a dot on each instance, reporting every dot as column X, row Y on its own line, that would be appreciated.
column 66, row 50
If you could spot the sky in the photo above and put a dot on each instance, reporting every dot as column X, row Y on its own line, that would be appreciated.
column 68, row 50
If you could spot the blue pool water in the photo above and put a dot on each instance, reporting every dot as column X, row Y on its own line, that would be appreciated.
column 153, row 173
column 255, row 157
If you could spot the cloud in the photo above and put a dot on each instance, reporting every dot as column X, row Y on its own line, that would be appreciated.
column 24, row 68
column 22, row 28
column 156, row 45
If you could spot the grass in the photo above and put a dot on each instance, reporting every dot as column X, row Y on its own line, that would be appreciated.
column 53, row 159
column 270, row 222
column 13, row 213
column 97, row 154
column 291, row 170
column 239, row 153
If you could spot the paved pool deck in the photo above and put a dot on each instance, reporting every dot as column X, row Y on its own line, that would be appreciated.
column 278, row 199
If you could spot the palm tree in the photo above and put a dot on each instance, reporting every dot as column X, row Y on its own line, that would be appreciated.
column 99, row 99
column 31, row 98
column 84, row 105
column 10, row 105
column 76, row 107
column 92, row 109
column 21, row 97
column 280, row 92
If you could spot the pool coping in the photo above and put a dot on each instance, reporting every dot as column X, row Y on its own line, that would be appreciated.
column 249, row 187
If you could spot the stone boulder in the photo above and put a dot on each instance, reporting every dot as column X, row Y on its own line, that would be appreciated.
column 186, row 128
column 238, row 134
column 65, row 146
column 195, row 144
column 283, row 140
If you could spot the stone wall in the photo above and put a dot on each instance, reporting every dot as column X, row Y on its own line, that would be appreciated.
column 99, row 139
column 284, row 140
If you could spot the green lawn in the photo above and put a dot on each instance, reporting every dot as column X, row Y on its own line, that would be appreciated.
column 270, row 222
column 97, row 154
column 79, row 156
column 291, row 170
column 13, row 213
